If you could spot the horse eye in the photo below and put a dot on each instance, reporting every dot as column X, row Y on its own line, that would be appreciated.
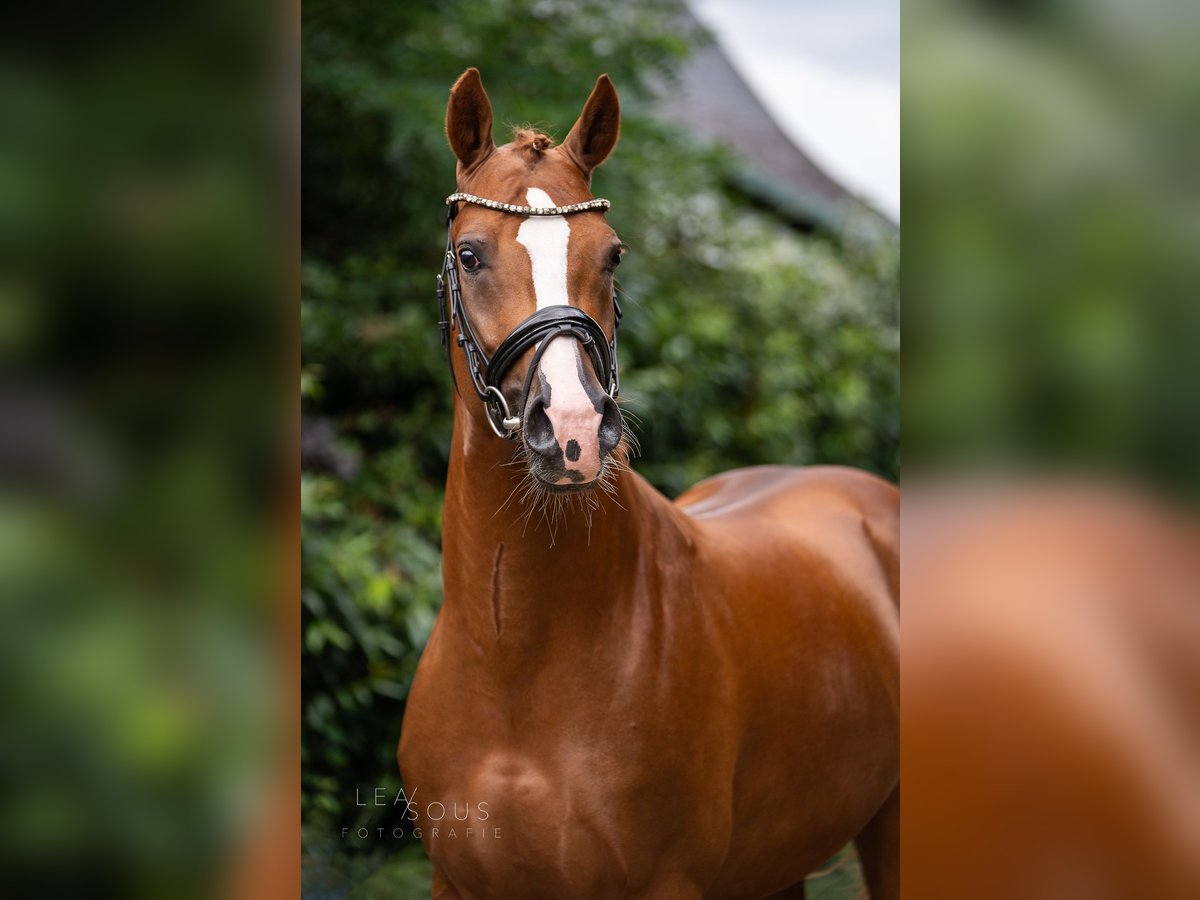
column 615, row 259
column 469, row 260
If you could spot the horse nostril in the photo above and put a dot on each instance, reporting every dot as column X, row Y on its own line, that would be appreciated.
column 610, row 426
column 539, row 432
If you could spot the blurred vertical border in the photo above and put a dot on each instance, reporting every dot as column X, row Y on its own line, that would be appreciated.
column 1051, row 636
column 148, row 518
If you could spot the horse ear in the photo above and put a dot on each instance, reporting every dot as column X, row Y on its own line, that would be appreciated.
column 595, row 134
column 469, row 120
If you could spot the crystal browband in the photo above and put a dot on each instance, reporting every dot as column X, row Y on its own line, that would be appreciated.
column 516, row 209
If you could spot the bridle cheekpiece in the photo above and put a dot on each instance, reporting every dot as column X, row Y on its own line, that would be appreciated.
column 545, row 324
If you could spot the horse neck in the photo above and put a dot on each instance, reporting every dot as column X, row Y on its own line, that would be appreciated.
column 512, row 579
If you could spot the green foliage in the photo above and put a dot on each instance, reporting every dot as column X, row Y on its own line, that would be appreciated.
column 743, row 341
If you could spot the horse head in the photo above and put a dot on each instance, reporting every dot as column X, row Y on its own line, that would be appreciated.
column 531, row 260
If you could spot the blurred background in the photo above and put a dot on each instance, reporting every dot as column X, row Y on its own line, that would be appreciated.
column 760, row 294
column 1052, row 249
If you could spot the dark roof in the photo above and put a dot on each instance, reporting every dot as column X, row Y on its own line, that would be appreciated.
column 713, row 101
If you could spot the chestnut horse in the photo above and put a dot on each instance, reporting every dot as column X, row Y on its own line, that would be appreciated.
column 625, row 696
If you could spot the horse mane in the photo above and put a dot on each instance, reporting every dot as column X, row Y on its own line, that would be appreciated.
column 528, row 137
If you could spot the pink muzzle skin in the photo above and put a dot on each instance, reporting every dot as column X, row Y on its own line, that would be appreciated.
column 568, row 406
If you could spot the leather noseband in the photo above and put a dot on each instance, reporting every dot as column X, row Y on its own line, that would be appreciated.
column 545, row 324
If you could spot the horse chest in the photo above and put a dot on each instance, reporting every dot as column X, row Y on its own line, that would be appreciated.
column 584, row 779
column 562, row 820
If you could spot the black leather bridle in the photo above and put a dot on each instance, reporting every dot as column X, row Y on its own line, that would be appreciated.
column 548, row 322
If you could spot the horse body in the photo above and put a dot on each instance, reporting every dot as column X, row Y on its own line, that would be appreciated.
column 690, row 699
column 655, row 699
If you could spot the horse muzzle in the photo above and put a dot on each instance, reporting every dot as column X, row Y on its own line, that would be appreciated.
column 570, row 423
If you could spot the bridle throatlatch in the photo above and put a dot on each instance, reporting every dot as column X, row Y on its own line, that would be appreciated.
column 540, row 328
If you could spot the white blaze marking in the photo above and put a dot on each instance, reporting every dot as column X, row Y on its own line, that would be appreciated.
column 570, row 410
column 546, row 237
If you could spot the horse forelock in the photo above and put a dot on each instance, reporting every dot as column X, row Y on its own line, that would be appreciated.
column 527, row 137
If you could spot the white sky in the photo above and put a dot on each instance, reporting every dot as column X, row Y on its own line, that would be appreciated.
column 829, row 73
